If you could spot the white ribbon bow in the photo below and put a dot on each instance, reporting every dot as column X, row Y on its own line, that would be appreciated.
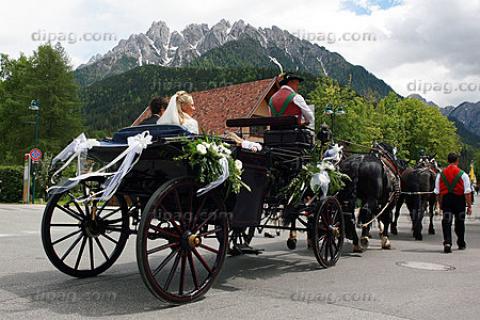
column 139, row 142
column 224, row 176
column 78, row 146
column 334, row 153
column 320, row 181
column 131, row 155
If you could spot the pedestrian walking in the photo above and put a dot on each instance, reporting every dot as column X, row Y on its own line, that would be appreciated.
column 454, row 194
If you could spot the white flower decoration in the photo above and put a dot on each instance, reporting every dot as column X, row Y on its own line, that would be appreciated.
column 225, row 150
column 238, row 165
column 201, row 149
column 324, row 165
column 214, row 149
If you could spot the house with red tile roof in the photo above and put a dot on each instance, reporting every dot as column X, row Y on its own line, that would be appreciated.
column 245, row 100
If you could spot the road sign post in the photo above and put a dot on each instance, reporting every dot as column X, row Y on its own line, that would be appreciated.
column 35, row 156
column 35, row 153
column 26, row 178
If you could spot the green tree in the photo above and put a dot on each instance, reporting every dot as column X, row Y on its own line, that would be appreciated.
column 45, row 76
column 358, row 124
column 415, row 128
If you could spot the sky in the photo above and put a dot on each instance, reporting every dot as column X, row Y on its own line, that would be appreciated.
column 429, row 47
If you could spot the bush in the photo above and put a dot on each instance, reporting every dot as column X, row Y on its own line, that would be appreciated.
column 11, row 183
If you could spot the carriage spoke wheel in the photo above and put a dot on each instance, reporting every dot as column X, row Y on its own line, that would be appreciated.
column 84, row 239
column 329, row 232
column 240, row 238
column 182, row 241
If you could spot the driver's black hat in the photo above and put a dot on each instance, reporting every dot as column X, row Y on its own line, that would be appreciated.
column 289, row 77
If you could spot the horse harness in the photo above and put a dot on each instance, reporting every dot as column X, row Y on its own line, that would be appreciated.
column 392, row 172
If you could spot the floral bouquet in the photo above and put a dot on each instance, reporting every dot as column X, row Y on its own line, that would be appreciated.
column 317, row 176
column 212, row 159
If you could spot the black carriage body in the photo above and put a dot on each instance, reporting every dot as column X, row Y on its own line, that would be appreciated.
column 180, row 256
column 156, row 166
column 247, row 206
column 157, row 163
column 267, row 173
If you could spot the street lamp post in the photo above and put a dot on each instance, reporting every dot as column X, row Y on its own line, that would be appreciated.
column 333, row 112
column 35, row 106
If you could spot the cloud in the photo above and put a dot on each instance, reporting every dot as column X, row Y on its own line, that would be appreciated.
column 428, row 40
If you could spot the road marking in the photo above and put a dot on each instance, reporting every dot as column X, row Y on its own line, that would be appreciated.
column 22, row 233
column 4, row 235
column 425, row 266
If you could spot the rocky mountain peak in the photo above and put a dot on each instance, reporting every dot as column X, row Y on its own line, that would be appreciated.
column 467, row 117
column 159, row 34
column 193, row 33
column 416, row 96
column 165, row 47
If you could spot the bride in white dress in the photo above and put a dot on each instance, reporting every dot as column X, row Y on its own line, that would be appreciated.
column 179, row 112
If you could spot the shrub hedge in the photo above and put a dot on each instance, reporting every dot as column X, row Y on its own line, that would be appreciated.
column 11, row 183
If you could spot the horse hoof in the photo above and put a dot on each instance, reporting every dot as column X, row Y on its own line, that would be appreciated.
column 364, row 242
column 292, row 244
column 357, row 249
column 386, row 243
column 394, row 230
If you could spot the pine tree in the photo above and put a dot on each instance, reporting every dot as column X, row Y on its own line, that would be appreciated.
column 47, row 77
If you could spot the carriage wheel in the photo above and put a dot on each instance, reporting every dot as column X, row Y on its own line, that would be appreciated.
column 182, row 241
column 84, row 239
column 240, row 237
column 329, row 232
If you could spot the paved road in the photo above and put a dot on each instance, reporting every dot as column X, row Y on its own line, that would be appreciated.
column 278, row 284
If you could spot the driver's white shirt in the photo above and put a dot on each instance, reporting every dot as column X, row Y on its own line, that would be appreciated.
column 299, row 101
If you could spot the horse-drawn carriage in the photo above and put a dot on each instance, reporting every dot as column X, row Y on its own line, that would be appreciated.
column 183, row 230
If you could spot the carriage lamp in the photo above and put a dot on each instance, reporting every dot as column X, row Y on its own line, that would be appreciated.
column 328, row 110
column 333, row 112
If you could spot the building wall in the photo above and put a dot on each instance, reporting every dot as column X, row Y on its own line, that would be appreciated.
column 263, row 109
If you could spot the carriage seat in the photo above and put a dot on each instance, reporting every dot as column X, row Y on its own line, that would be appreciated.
column 283, row 130
column 297, row 136
column 156, row 130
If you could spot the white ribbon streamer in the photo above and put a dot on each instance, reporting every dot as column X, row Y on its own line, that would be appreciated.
column 333, row 154
column 320, row 181
column 224, row 176
column 74, row 150
column 131, row 155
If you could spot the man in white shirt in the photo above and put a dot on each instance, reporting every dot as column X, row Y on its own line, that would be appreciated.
column 453, row 190
column 287, row 101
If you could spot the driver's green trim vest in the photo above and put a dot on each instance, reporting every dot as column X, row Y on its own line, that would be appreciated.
column 282, row 104
column 285, row 104
column 451, row 185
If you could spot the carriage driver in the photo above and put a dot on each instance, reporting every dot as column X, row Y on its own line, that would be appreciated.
column 453, row 191
column 287, row 102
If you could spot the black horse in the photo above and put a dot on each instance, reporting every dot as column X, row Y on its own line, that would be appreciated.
column 375, row 183
column 417, row 192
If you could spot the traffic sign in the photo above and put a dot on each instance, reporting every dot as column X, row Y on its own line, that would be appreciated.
column 35, row 154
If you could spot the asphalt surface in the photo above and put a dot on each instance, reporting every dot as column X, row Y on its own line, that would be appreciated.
column 278, row 284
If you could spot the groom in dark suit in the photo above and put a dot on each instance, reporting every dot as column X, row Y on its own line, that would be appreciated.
column 157, row 106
